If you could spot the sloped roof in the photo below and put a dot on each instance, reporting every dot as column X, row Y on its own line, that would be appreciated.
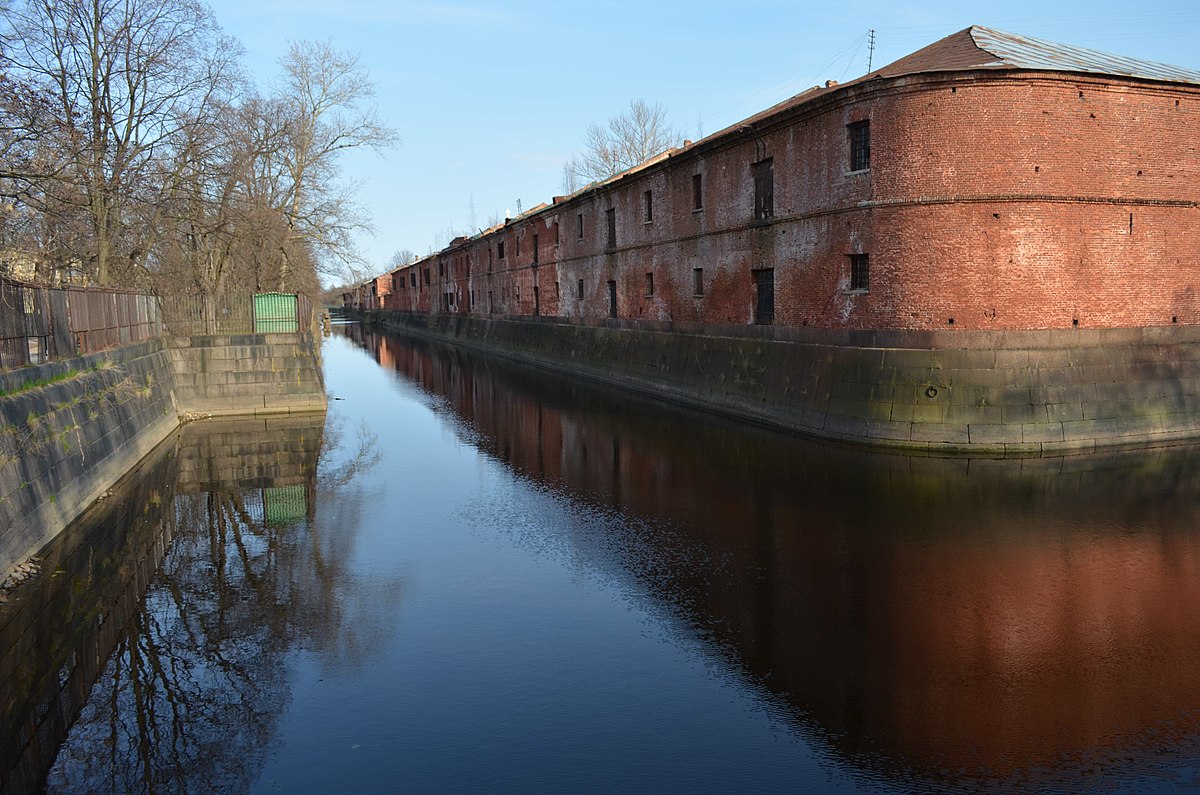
column 978, row 47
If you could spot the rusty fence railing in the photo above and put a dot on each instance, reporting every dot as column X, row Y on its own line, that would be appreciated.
column 40, row 324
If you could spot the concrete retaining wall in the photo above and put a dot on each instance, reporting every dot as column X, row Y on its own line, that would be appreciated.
column 995, row 393
column 69, row 430
column 65, row 442
column 249, row 374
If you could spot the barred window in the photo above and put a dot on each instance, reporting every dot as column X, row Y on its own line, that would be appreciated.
column 860, row 145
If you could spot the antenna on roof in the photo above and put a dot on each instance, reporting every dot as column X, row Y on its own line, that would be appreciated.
column 870, row 49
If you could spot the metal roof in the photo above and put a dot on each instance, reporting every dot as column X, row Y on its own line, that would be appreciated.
column 978, row 47
column 1023, row 52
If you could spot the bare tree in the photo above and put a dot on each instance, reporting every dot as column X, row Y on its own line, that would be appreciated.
column 401, row 258
column 629, row 139
column 124, row 77
column 321, row 96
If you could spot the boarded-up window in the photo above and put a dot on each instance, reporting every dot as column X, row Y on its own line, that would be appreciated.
column 611, row 216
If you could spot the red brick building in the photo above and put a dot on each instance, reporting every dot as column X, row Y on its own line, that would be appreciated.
column 988, row 181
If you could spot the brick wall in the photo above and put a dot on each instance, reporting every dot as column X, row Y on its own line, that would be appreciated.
column 994, row 200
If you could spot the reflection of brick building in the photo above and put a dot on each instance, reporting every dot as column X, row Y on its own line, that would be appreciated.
column 988, row 181
column 952, row 617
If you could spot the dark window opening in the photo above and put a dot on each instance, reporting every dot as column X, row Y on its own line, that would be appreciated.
column 580, row 296
column 764, row 189
column 441, row 269
column 535, row 248
column 860, row 145
column 698, row 281
column 427, row 277
column 697, row 192
column 649, row 284
column 556, row 233
column 764, row 309
column 611, row 216
column 579, row 220
column 648, row 207
column 414, row 278
column 500, row 250
column 612, row 299
column 860, row 271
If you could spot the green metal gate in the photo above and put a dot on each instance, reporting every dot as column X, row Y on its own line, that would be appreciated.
column 275, row 312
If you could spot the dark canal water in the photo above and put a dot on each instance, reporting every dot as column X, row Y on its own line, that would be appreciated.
column 474, row 577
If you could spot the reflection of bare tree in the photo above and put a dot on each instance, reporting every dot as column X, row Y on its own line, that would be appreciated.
column 190, row 698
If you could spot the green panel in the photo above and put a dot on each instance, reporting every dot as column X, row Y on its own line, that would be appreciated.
column 275, row 312
column 285, row 505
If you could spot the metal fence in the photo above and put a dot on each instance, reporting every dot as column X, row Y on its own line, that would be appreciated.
column 38, row 324
column 193, row 315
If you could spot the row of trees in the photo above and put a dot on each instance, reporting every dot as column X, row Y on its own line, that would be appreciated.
column 134, row 151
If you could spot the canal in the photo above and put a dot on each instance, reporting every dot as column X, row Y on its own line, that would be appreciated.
column 474, row 576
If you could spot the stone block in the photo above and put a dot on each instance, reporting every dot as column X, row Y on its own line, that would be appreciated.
column 940, row 433
column 1042, row 432
column 984, row 434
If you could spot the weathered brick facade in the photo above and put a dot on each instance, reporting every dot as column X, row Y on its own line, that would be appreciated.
column 991, row 198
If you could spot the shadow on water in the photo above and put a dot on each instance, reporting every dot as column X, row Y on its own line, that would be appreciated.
column 935, row 623
column 156, row 634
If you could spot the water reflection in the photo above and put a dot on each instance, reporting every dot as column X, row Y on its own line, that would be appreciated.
column 958, row 623
column 161, row 625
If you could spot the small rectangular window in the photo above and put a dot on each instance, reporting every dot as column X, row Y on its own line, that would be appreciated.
column 698, row 281
column 535, row 248
column 764, row 189
column 860, row 272
column 427, row 277
column 579, row 297
column 579, row 221
column 500, row 250
column 441, row 269
column 556, row 233
column 518, row 246
column 414, row 278
column 648, row 207
column 860, row 145
column 697, row 192
column 611, row 217
column 649, row 284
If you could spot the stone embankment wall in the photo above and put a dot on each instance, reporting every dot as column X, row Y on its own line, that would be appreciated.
column 69, row 430
column 993, row 393
column 249, row 374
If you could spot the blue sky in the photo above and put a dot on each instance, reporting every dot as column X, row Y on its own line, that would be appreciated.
column 490, row 98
